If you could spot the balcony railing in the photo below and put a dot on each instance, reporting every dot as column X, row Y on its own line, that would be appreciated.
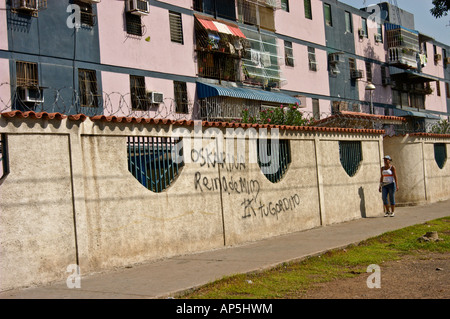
column 403, row 57
column 218, row 65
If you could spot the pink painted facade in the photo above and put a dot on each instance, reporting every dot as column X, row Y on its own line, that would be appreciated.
column 294, row 24
column 369, row 48
column 3, row 26
column 436, row 101
column 153, row 51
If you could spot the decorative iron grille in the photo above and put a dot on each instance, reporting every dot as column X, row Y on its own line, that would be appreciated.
column 273, row 158
column 4, row 167
column 155, row 161
column 440, row 154
column 350, row 154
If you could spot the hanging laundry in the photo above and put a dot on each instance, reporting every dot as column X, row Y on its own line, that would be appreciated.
column 265, row 59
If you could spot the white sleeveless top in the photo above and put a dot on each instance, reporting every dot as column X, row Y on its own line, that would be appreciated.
column 388, row 176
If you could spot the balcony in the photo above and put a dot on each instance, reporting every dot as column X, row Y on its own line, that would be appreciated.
column 403, row 58
column 403, row 46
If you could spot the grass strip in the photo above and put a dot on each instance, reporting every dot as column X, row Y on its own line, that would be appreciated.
column 292, row 280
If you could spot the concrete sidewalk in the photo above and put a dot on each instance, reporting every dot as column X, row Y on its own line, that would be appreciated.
column 170, row 276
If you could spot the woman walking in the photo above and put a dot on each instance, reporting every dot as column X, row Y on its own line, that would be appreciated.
column 388, row 186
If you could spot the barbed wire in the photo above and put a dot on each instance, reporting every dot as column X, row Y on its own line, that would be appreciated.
column 68, row 101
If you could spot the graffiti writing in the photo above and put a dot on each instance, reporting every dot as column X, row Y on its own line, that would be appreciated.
column 227, row 185
column 260, row 209
column 206, row 157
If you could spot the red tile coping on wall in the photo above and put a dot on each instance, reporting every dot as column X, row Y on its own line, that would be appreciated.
column 359, row 115
column 430, row 135
column 118, row 119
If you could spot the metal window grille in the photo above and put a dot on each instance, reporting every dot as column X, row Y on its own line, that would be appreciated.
column 369, row 71
column 87, row 15
column 154, row 161
column 351, row 65
column 350, row 154
column 139, row 100
column 134, row 24
column 4, row 166
column 176, row 27
column 312, row 59
column 87, row 82
column 440, row 154
column 26, row 74
column 282, row 154
column 181, row 98
column 30, row 7
column 288, row 53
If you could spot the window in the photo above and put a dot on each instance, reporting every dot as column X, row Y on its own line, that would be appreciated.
column 288, row 53
column 273, row 158
column 384, row 76
column 139, row 100
column 312, row 59
column 444, row 56
column 176, row 27
column 308, row 9
column 438, row 88
column 351, row 66
column 328, row 17
column 348, row 22
column 285, row 5
column 181, row 98
column 154, row 161
column 440, row 154
column 26, row 74
column 424, row 49
column 134, row 24
column 364, row 27
column 316, row 109
column 4, row 167
column 217, row 8
column 86, row 13
column 350, row 154
column 447, row 90
column 369, row 71
column 379, row 32
column 87, row 83
column 254, row 13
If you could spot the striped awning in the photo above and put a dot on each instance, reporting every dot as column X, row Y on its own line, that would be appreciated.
column 220, row 27
column 209, row 90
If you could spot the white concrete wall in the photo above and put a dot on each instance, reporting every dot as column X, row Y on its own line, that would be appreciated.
column 69, row 197
column 420, row 178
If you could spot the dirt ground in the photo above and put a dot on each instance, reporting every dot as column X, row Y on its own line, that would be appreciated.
column 413, row 277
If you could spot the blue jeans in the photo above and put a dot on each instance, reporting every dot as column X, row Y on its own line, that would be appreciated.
column 388, row 190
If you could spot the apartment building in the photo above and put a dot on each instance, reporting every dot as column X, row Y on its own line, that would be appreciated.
column 212, row 59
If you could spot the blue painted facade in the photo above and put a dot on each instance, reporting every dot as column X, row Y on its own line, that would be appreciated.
column 59, row 52
column 342, row 87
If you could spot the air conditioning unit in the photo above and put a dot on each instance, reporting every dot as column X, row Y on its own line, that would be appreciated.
column 138, row 7
column 31, row 95
column 447, row 60
column 386, row 81
column 361, row 33
column 357, row 74
column 336, row 58
column 27, row 5
column 378, row 38
column 437, row 57
column 155, row 97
